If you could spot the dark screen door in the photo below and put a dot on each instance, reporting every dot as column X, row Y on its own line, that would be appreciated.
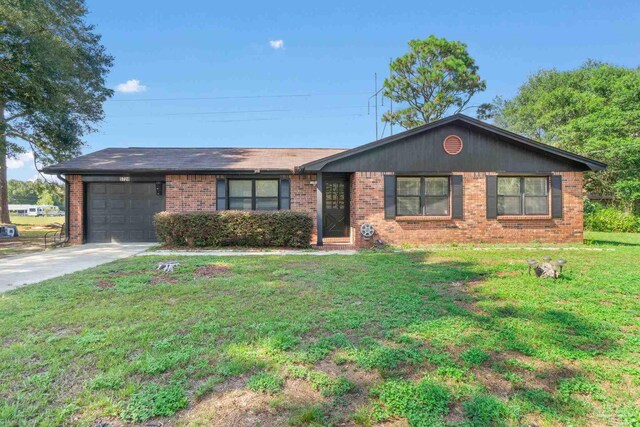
column 336, row 207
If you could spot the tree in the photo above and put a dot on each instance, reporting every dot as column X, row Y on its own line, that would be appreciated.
column 52, row 81
column 49, row 193
column 594, row 111
column 22, row 192
column 436, row 77
column 37, row 192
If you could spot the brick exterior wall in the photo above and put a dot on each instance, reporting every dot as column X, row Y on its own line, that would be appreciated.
column 367, row 206
column 188, row 193
column 76, row 209
column 303, row 199
column 198, row 193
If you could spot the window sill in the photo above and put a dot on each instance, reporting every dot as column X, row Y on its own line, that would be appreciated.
column 523, row 217
column 423, row 218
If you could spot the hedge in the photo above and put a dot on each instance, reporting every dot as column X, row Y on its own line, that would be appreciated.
column 611, row 219
column 235, row 228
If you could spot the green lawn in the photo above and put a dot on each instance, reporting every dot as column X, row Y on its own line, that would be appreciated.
column 439, row 336
column 31, row 231
column 36, row 220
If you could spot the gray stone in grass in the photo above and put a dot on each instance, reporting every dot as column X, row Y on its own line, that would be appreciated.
column 167, row 266
column 545, row 271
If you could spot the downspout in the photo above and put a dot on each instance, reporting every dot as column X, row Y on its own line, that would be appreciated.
column 67, row 192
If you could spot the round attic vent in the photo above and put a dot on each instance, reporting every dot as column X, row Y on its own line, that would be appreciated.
column 452, row 145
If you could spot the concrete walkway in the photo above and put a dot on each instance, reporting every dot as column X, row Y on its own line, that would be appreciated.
column 21, row 270
column 275, row 252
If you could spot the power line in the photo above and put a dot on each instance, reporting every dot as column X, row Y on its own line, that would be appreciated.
column 204, row 98
column 238, row 112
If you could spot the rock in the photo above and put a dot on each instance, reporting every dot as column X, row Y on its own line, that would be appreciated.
column 545, row 271
column 167, row 266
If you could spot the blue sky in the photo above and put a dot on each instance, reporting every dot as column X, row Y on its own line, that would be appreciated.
column 311, row 90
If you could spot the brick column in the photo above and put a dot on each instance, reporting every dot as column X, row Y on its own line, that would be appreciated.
column 76, row 209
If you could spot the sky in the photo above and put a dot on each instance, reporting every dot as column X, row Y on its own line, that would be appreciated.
column 300, row 74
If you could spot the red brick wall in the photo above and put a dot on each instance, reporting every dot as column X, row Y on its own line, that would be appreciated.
column 303, row 198
column 76, row 208
column 198, row 193
column 187, row 193
column 367, row 206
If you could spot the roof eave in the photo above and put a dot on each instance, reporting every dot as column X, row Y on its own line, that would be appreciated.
column 67, row 171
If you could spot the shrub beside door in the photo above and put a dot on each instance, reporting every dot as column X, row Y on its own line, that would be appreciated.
column 234, row 228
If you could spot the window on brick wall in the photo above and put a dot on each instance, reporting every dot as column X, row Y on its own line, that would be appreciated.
column 253, row 194
column 423, row 195
column 523, row 195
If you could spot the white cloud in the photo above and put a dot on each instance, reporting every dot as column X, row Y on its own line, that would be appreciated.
column 277, row 44
column 20, row 160
column 131, row 86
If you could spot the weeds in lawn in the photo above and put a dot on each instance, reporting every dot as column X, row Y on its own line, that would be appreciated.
column 153, row 401
column 409, row 328
column 265, row 382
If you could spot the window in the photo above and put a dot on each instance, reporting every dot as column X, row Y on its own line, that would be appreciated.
column 253, row 194
column 523, row 195
column 422, row 196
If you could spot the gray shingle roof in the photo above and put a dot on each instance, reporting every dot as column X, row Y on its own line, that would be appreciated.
column 160, row 160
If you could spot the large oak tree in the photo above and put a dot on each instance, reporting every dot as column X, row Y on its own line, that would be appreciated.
column 52, row 81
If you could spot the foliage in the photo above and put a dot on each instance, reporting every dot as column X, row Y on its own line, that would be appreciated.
column 601, row 218
column 155, row 401
column 423, row 404
column 52, row 80
column 569, row 346
column 235, row 228
column 474, row 356
column 265, row 382
column 329, row 386
column 594, row 111
column 35, row 192
column 434, row 78
column 485, row 411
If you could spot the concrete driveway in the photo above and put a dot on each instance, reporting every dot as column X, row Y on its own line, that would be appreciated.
column 21, row 270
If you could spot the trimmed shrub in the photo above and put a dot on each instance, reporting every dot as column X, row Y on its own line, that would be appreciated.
column 235, row 228
column 599, row 218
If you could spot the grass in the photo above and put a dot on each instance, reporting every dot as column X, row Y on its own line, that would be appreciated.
column 31, row 231
column 435, row 336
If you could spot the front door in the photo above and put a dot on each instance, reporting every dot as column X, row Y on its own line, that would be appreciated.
column 335, row 207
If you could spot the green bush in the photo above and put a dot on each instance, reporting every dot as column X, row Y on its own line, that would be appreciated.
column 235, row 228
column 599, row 218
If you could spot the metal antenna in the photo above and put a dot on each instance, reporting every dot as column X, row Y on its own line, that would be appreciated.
column 375, row 80
column 390, row 99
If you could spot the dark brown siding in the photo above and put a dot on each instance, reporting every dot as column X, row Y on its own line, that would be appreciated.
column 424, row 153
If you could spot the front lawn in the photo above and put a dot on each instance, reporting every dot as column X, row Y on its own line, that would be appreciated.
column 440, row 336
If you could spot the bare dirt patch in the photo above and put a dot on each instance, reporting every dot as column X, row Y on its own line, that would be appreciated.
column 359, row 396
column 213, row 270
column 233, row 405
column 105, row 284
column 163, row 279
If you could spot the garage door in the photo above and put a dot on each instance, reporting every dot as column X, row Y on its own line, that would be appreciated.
column 122, row 212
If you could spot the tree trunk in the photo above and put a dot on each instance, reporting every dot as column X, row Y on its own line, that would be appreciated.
column 4, row 191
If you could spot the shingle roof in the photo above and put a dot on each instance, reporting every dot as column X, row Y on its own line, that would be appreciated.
column 161, row 160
